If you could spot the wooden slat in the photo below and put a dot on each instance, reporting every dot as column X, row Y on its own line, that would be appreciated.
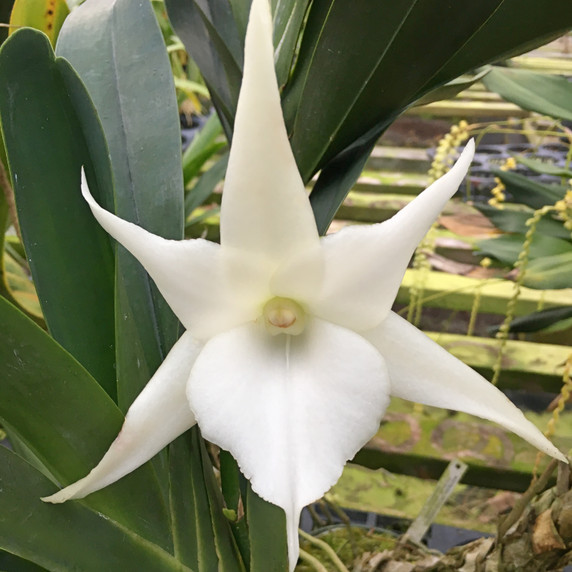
column 526, row 366
column 469, row 109
column 421, row 443
column 454, row 292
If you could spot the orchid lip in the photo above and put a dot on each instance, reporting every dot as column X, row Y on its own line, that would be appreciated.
column 283, row 316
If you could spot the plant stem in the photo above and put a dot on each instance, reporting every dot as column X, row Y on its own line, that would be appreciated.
column 312, row 561
column 326, row 548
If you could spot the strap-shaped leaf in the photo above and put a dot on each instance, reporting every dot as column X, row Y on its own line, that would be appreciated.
column 118, row 50
column 539, row 92
column 212, row 35
column 70, row 536
column 550, row 272
column 65, row 421
column 213, row 32
column 511, row 220
column 507, row 247
column 267, row 527
column 414, row 46
column 360, row 65
column 527, row 191
column 202, row 535
column 288, row 19
column 70, row 256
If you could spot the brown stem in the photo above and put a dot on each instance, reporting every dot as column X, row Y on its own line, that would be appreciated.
column 536, row 487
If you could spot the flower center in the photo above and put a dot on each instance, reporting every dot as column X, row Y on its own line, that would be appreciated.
column 283, row 316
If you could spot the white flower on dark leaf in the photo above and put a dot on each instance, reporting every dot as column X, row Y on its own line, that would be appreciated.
column 291, row 351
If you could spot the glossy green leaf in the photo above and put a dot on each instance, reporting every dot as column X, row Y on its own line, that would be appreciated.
column 373, row 60
column 11, row 563
column 552, row 272
column 185, row 506
column 528, row 192
column 61, row 416
column 201, row 533
column 452, row 88
column 537, row 321
column 267, row 529
column 514, row 221
column 70, row 256
column 539, row 92
column 117, row 49
column 506, row 248
column 338, row 177
column 360, row 65
column 543, row 167
column 69, row 536
column 288, row 20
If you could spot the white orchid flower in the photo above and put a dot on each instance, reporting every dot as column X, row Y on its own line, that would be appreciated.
column 291, row 351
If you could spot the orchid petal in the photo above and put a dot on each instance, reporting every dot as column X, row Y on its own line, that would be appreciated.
column 159, row 414
column 364, row 265
column 300, row 407
column 265, row 207
column 226, row 287
column 422, row 371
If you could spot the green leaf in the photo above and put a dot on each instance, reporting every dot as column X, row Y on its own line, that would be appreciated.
column 213, row 33
column 44, row 15
column 551, row 272
column 231, row 485
column 185, row 512
column 537, row 321
column 452, row 88
column 373, row 60
column 205, row 185
column 338, row 177
column 117, row 49
column 70, row 256
column 360, row 64
column 514, row 221
column 11, row 563
column 539, row 92
column 506, row 248
column 544, row 168
column 52, row 406
column 204, row 145
column 267, row 529
column 528, row 192
column 201, row 532
column 230, row 560
column 288, row 20
column 69, row 536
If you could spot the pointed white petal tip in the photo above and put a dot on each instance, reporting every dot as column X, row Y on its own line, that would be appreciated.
column 158, row 416
column 432, row 376
column 72, row 492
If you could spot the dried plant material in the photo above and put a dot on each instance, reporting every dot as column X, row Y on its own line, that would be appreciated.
column 465, row 224
column 451, row 266
column 544, row 535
